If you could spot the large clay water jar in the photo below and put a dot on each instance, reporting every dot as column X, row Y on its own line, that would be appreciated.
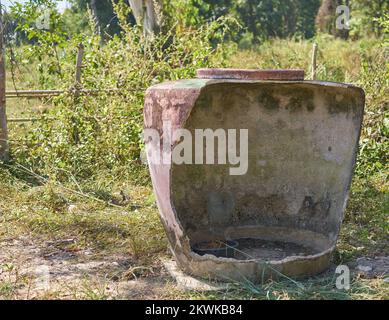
column 281, row 214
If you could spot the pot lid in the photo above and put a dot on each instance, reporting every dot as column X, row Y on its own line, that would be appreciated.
column 252, row 74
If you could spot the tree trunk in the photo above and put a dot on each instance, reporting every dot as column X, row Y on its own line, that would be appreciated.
column 145, row 16
column 326, row 18
column 93, row 7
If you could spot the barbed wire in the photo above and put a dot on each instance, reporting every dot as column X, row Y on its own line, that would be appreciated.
column 16, row 72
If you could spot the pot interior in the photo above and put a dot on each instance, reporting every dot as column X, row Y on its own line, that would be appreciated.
column 288, row 199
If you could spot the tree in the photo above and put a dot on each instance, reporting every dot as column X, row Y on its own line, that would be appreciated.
column 306, row 13
column 145, row 15
column 102, row 10
column 278, row 18
column 365, row 15
column 326, row 18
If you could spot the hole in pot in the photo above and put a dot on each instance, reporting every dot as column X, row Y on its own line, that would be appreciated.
column 252, row 248
column 218, row 248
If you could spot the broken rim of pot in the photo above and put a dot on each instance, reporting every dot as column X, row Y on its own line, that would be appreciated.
column 252, row 74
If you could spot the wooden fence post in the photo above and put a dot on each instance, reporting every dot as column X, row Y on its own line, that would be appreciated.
column 314, row 57
column 77, row 88
column 77, row 85
column 80, row 55
column 4, row 151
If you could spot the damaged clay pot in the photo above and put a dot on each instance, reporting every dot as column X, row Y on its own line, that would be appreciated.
column 279, row 193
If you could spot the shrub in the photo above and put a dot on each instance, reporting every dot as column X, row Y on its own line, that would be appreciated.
column 83, row 136
column 374, row 78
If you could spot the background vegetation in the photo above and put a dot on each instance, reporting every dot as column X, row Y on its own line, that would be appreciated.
column 77, row 171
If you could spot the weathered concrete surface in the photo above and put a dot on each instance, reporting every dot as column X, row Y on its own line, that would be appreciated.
column 251, row 74
column 303, row 139
column 189, row 283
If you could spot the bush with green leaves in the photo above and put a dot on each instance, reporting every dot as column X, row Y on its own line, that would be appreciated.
column 82, row 136
column 374, row 78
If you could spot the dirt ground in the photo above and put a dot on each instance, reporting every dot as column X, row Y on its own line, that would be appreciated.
column 40, row 270
column 34, row 269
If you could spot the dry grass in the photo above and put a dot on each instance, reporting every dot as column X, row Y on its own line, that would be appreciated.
column 118, row 248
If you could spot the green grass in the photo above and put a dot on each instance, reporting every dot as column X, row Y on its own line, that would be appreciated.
column 337, row 60
column 51, row 212
column 365, row 228
column 318, row 288
column 55, row 211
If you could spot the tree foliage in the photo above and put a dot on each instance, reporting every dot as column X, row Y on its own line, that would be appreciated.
column 366, row 17
column 278, row 18
column 107, row 127
column 105, row 17
column 260, row 19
